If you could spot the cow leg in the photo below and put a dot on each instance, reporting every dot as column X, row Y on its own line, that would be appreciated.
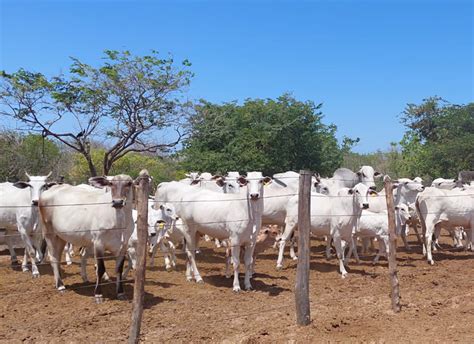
column 129, row 265
column 56, row 246
column 354, row 248
column 172, row 252
column 119, row 282
column 248, row 260
column 30, row 252
column 340, row 254
column 236, row 262
column 292, row 247
column 99, row 259
column 228, row 261
column 9, row 242
column 429, row 240
column 83, row 253
column 289, row 229
column 67, row 253
column 165, row 248
column 403, row 234
column 191, row 268
column 328, row 247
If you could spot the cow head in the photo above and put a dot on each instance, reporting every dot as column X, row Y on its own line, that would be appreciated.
column 230, row 183
column 360, row 194
column 37, row 185
column 407, row 184
column 402, row 212
column 120, row 186
column 367, row 176
column 442, row 183
column 320, row 185
column 255, row 182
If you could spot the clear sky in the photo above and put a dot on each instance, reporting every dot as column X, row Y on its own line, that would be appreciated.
column 365, row 60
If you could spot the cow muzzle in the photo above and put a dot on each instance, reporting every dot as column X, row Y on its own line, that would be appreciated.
column 34, row 202
column 118, row 203
column 365, row 206
column 254, row 196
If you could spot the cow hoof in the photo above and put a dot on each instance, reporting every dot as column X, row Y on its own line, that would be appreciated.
column 98, row 299
column 169, row 269
column 200, row 281
column 25, row 269
column 344, row 275
column 236, row 289
column 431, row 262
column 15, row 263
column 249, row 288
column 106, row 277
column 189, row 279
column 279, row 267
column 295, row 258
column 228, row 276
column 62, row 289
column 122, row 297
column 69, row 263
column 35, row 275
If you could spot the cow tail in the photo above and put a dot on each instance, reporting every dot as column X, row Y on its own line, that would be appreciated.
column 422, row 219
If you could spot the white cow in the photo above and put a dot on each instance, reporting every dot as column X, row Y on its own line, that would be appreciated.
column 89, row 218
column 222, row 216
column 334, row 216
column 375, row 225
column 19, row 215
column 446, row 184
column 165, row 214
column 444, row 208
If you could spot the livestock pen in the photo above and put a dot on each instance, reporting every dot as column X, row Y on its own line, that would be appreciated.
column 437, row 302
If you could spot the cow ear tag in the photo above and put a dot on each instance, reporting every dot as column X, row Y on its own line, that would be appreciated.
column 161, row 225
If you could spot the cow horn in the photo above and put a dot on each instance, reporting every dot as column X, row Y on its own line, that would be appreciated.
column 27, row 175
column 49, row 174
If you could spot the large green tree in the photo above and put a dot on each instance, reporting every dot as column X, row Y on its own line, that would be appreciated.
column 266, row 135
column 128, row 103
column 439, row 140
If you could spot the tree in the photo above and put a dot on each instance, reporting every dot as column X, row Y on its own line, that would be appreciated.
column 440, row 138
column 265, row 135
column 125, row 103
column 31, row 153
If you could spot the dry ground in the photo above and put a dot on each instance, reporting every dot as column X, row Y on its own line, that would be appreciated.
column 438, row 303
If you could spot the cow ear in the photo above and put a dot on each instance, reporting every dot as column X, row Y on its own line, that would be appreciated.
column 48, row 185
column 267, row 180
column 99, row 182
column 195, row 181
column 21, row 185
column 242, row 181
column 350, row 191
column 220, row 181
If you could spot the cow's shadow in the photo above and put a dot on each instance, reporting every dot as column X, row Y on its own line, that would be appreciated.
column 258, row 285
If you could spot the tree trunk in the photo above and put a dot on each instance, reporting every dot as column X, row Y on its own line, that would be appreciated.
column 90, row 164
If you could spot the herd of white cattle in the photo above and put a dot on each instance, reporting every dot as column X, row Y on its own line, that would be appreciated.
column 241, row 212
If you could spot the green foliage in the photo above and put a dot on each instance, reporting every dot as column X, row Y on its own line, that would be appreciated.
column 160, row 169
column 31, row 153
column 265, row 135
column 127, row 101
column 439, row 140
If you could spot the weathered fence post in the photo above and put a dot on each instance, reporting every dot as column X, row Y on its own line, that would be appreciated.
column 303, row 316
column 392, row 259
column 142, row 234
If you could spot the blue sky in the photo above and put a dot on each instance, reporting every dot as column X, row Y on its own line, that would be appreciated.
column 365, row 60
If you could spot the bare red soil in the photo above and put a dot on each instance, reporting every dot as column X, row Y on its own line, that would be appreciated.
column 437, row 303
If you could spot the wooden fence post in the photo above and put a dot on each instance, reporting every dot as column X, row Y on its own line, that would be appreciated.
column 303, row 316
column 392, row 259
column 142, row 234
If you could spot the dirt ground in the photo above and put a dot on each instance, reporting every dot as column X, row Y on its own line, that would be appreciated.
column 437, row 301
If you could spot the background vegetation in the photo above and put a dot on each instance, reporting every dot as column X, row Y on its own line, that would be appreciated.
column 128, row 114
